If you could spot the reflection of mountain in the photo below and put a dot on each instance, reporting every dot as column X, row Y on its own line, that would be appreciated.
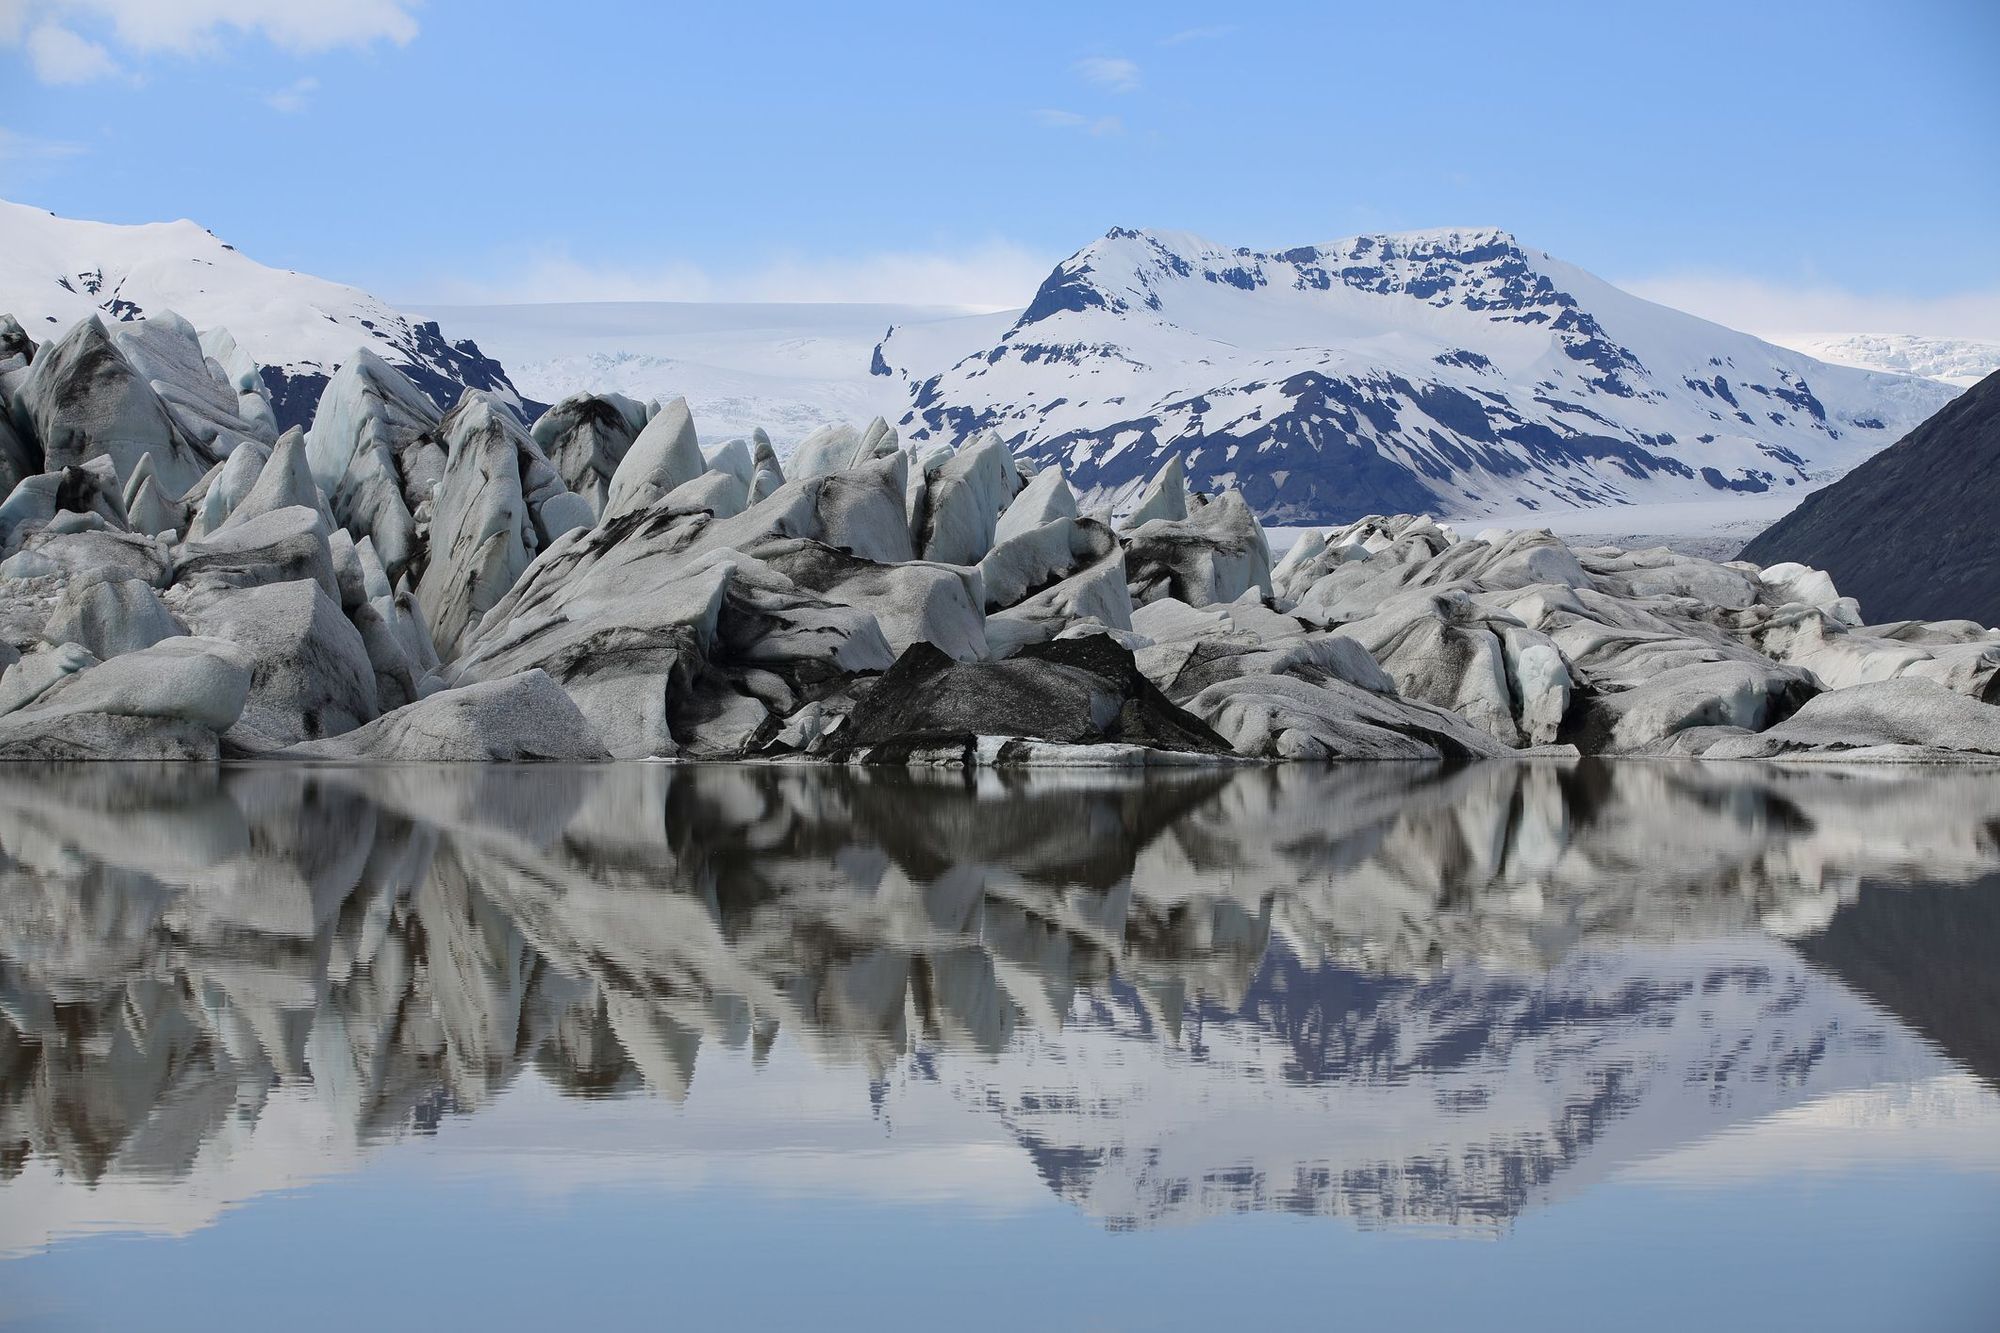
column 1489, row 983
column 1457, row 1099
column 1925, row 952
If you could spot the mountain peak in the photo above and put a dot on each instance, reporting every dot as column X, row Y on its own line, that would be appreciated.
column 297, row 329
column 1450, row 370
column 1131, row 268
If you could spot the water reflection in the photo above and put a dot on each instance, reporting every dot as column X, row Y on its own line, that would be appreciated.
column 1407, row 995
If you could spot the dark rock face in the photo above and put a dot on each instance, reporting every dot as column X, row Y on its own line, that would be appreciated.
column 444, row 370
column 1082, row 691
column 1913, row 533
column 294, row 395
column 1067, row 288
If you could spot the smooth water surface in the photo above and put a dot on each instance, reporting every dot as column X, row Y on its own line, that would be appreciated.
column 1513, row 1045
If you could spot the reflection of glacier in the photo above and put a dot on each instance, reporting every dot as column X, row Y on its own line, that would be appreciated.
column 1407, row 995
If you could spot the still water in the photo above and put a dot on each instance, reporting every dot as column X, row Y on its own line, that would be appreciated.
column 1512, row 1045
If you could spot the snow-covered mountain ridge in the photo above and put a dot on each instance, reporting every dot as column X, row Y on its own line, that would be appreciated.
column 1450, row 371
column 299, row 329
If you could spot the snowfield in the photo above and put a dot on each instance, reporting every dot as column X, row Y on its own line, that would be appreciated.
column 790, row 368
column 1961, row 362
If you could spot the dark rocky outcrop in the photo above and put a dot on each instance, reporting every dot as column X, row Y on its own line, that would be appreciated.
column 1083, row 691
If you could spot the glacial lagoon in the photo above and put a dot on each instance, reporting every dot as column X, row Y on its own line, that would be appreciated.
column 1539, row 1044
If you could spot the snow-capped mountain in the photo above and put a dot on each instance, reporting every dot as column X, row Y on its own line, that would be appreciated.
column 299, row 329
column 1961, row 362
column 1454, row 371
column 1448, row 371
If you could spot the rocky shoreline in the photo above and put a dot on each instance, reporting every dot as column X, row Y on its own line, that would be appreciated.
column 180, row 580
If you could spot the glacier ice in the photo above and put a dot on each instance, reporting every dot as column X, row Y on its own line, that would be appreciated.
column 400, row 582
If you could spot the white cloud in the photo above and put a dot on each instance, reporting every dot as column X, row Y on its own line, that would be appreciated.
column 1207, row 34
column 301, row 26
column 1050, row 118
column 293, row 99
column 75, row 41
column 1112, row 73
column 61, row 56
column 995, row 275
column 1778, row 311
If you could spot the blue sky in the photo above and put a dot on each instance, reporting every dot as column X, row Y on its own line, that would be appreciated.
column 1797, row 156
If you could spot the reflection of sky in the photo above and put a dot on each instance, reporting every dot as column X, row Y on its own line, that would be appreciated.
column 429, row 1236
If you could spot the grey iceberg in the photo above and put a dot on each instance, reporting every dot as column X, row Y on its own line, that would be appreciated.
column 376, row 456
column 311, row 676
column 665, row 455
column 1907, row 719
column 110, row 617
column 395, row 581
column 498, row 504
column 82, row 399
column 1216, row 553
column 586, row 436
column 513, row 719
column 963, row 500
column 171, row 700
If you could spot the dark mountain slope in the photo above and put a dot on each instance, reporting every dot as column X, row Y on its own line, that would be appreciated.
column 1914, row 532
